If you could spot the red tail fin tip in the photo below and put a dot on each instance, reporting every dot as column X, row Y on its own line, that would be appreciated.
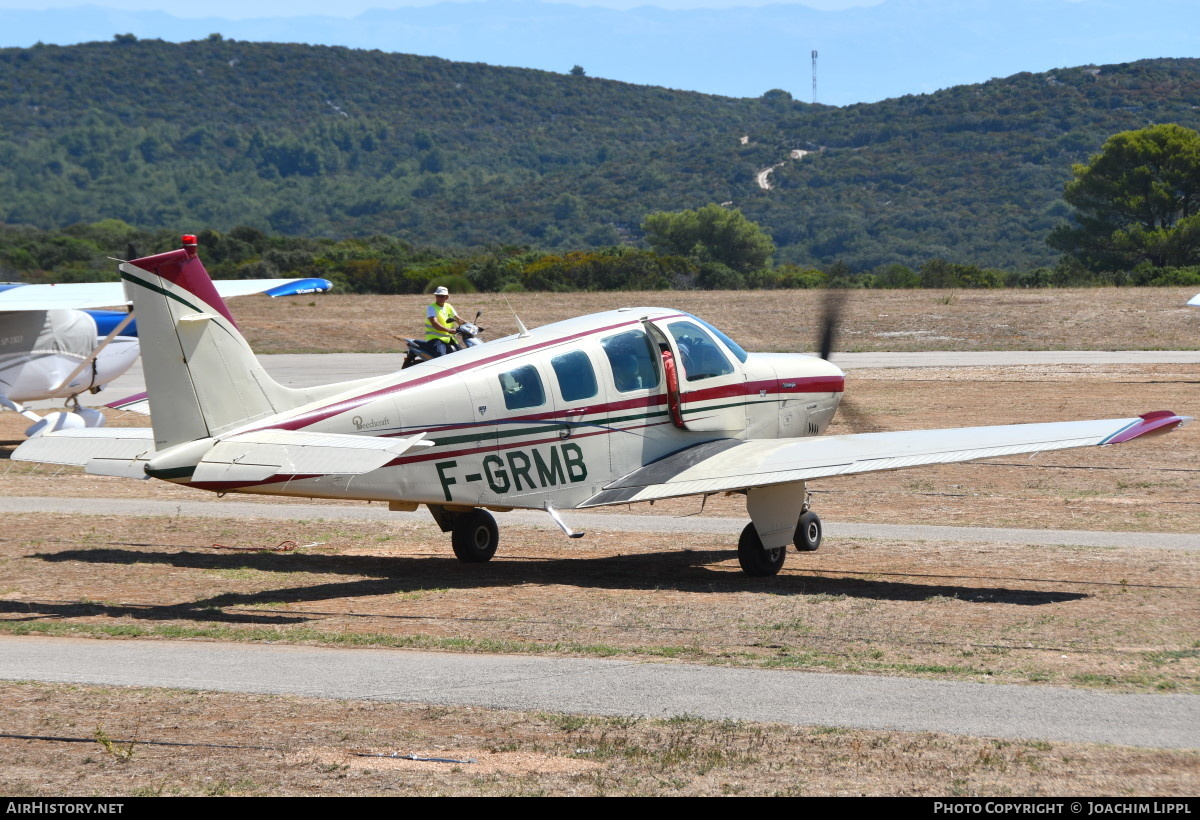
column 184, row 269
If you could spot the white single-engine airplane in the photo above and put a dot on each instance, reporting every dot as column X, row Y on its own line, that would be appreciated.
column 630, row 405
column 53, row 347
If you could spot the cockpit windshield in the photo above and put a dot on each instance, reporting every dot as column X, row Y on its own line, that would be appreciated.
column 733, row 346
column 702, row 357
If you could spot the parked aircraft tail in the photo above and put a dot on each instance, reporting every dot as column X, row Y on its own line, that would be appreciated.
column 202, row 378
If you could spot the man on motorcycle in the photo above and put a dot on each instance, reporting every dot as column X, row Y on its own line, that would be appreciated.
column 439, row 320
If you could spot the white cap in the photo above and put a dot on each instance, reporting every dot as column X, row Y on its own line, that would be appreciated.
column 441, row 292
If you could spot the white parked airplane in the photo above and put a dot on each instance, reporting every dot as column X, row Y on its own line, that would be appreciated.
column 629, row 405
column 53, row 347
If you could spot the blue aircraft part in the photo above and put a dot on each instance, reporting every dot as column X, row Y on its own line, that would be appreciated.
column 106, row 320
column 301, row 286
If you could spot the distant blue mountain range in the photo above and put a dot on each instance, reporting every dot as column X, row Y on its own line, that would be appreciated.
column 865, row 54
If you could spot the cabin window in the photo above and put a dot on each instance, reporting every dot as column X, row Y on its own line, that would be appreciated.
column 522, row 388
column 701, row 357
column 633, row 360
column 576, row 377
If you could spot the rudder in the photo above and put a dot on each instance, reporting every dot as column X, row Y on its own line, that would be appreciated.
column 202, row 378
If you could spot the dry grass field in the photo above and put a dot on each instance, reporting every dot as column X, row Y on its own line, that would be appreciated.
column 873, row 320
column 1113, row 619
column 166, row 743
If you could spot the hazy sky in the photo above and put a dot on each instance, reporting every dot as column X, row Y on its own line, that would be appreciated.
column 235, row 10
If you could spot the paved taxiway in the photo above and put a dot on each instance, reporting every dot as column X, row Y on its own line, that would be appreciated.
column 607, row 687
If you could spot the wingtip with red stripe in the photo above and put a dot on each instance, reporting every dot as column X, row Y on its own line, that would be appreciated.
column 1150, row 424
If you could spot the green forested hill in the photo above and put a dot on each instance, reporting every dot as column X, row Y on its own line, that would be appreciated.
column 334, row 142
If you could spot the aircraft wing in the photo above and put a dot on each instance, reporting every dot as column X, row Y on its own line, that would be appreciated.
column 83, row 295
column 737, row 464
column 1195, row 300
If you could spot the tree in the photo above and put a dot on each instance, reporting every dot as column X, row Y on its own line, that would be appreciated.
column 577, row 71
column 711, row 234
column 1137, row 201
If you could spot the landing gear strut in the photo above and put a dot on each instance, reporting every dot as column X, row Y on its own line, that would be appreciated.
column 774, row 522
column 760, row 563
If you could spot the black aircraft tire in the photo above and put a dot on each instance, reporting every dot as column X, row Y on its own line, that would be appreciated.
column 475, row 537
column 756, row 561
column 808, row 532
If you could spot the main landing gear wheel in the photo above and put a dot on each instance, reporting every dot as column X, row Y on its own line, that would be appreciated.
column 474, row 537
column 755, row 560
column 808, row 532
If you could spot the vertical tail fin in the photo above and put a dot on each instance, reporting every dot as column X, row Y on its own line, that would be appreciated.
column 201, row 376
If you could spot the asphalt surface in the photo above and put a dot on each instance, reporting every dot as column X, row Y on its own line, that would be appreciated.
column 605, row 687
column 599, row 521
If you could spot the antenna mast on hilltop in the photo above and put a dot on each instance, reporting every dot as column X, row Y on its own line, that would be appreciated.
column 814, row 56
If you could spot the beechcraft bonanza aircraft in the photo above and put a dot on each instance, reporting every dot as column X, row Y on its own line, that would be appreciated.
column 630, row 405
column 53, row 347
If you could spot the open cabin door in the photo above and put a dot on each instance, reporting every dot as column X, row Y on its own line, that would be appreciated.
column 705, row 388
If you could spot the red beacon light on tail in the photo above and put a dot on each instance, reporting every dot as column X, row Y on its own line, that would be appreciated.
column 189, row 243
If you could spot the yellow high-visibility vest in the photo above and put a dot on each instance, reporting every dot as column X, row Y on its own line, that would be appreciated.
column 443, row 315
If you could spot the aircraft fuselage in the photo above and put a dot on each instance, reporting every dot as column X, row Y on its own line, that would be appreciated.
column 553, row 416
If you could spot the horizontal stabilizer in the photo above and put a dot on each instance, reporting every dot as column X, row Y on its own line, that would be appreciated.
column 117, row 451
column 735, row 464
column 137, row 403
column 257, row 456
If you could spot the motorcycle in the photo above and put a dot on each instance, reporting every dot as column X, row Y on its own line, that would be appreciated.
column 421, row 350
